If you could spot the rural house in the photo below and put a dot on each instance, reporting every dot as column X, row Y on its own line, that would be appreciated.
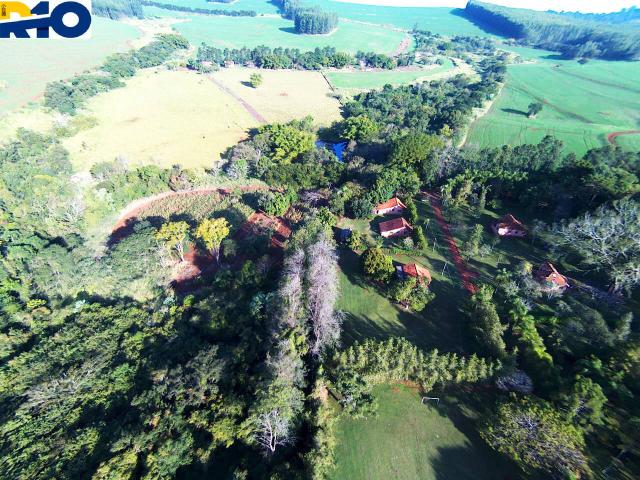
column 398, row 227
column 414, row 270
column 390, row 206
column 550, row 279
column 509, row 226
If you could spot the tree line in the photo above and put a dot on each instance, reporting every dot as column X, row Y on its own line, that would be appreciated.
column 199, row 11
column 573, row 37
column 115, row 9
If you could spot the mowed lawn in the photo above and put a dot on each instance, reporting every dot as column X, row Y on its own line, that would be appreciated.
column 582, row 103
column 407, row 440
column 166, row 117
column 28, row 65
column 275, row 31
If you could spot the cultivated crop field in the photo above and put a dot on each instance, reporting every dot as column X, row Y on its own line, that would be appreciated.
column 27, row 66
column 408, row 440
column 275, row 31
column 582, row 104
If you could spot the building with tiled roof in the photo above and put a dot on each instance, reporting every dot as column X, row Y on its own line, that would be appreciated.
column 509, row 226
column 397, row 227
column 393, row 205
column 550, row 278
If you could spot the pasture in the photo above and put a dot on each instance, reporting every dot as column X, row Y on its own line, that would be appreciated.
column 27, row 65
column 179, row 117
column 275, row 31
column 582, row 103
column 353, row 81
column 408, row 440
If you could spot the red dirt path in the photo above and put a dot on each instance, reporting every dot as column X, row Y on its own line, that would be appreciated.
column 464, row 272
column 246, row 105
column 611, row 138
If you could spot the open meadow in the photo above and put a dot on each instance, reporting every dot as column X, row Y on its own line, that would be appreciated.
column 407, row 440
column 179, row 117
column 582, row 103
column 27, row 65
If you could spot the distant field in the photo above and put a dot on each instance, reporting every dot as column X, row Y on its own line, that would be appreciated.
column 583, row 103
column 367, row 80
column 179, row 117
column 438, row 20
column 28, row 65
column 407, row 440
column 275, row 31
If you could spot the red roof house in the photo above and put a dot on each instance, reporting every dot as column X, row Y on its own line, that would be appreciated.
column 393, row 205
column 416, row 271
column 398, row 227
column 509, row 226
column 550, row 278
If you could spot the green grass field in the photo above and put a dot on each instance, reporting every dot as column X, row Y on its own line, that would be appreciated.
column 274, row 31
column 408, row 440
column 28, row 65
column 583, row 103
column 444, row 21
column 368, row 80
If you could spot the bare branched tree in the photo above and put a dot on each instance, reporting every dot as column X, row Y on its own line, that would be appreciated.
column 322, row 294
column 273, row 431
column 292, row 289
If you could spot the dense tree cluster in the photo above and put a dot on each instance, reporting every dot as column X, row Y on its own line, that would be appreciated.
column 573, row 37
column 67, row 96
column 308, row 20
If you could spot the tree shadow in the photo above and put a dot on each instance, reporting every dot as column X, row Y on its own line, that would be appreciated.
column 460, row 12
column 246, row 84
column 288, row 30
column 514, row 111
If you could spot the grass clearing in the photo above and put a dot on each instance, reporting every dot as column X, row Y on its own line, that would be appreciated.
column 357, row 80
column 28, row 65
column 583, row 103
column 179, row 117
column 408, row 440
column 284, row 94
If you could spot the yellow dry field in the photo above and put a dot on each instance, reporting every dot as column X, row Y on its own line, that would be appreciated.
column 161, row 117
column 30, row 117
column 284, row 94
column 165, row 117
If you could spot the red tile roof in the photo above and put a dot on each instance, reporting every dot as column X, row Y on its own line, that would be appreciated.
column 547, row 272
column 392, row 203
column 395, row 224
column 418, row 271
column 509, row 221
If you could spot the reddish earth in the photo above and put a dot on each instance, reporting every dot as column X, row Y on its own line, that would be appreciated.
column 464, row 272
column 611, row 138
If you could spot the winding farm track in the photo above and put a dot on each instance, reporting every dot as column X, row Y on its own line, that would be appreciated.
column 246, row 105
column 464, row 272
column 611, row 138
column 403, row 47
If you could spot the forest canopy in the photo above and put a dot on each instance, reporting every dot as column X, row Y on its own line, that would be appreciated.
column 573, row 37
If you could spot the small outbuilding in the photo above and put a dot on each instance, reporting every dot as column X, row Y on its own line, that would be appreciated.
column 416, row 271
column 393, row 205
column 398, row 227
column 509, row 226
column 550, row 279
